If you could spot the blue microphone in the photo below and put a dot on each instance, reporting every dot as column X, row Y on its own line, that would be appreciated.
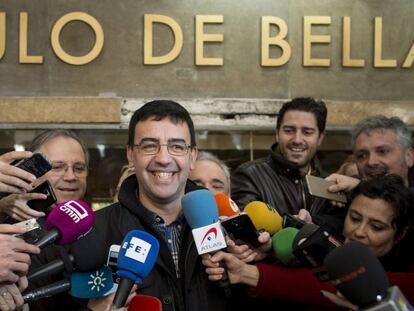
column 136, row 258
column 200, row 208
column 201, row 212
column 91, row 284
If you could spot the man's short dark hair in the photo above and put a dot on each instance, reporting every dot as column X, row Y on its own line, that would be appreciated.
column 306, row 104
column 391, row 189
column 159, row 110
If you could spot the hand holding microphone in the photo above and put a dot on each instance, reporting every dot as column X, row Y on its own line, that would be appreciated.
column 10, row 294
column 237, row 270
column 14, row 253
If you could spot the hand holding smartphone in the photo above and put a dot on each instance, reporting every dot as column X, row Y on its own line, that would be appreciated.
column 43, row 205
column 37, row 164
column 318, row 187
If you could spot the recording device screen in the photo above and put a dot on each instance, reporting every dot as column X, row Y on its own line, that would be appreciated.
column 46, row 204
column 37, row 164
column 112, row 261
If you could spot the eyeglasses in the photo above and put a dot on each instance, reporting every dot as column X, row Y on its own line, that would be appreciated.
column 78, row 169
column 175, row 148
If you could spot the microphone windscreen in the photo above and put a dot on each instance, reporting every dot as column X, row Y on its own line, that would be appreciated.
column 145, row 303
column 91, row 284
column 264, row 217
column 73, row 219
column 304, row 233
column 199, row 208
column 282, row 243
column 137, row 255
column 226, row 206
column 357, row 274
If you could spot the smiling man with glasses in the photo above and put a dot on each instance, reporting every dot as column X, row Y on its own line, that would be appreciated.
column 162, row 149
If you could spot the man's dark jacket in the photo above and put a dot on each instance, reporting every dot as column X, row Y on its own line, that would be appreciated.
column 279, row 183
column 193, row 291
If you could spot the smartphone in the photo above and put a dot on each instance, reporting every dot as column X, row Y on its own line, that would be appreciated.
column 318, row 187
column 292, row 222
column 241, row 229
column 37, row 164
column 45, row 205
column 112, row 261
column 33, row 230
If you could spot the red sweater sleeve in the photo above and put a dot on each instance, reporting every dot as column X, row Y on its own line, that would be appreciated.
column 299, row 285
column 296, row 285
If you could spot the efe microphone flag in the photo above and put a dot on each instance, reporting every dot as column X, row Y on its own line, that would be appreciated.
column 136, row 258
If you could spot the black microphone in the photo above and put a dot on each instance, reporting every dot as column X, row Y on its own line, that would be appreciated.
column 53, row 267
column 47, row 291
column 357, row 274
column 311, row 245
column 360, row 277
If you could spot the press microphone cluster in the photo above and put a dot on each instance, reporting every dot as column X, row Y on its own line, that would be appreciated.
column 361, row 279
column 247, row 225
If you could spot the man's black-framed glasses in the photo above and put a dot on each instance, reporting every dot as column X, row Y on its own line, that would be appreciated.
column 151, row 147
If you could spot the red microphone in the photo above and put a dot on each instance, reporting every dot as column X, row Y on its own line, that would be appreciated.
column 145, row 303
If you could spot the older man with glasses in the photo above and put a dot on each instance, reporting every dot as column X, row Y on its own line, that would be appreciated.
column 69, row 158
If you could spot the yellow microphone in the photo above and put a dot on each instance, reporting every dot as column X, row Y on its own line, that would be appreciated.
column 264, row 217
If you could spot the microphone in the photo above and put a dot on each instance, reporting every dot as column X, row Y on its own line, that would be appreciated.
column 237, row 225
column 53, row 267
column 145, row 303
column 282, row 244
column 226, row 206
column 395, row 300
column 91, row 284
column 67, row 222
column 136, row 258
column 47, row 291
column 360, row 277
column 201, row 213
column 311, row 245
column 264, row 217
